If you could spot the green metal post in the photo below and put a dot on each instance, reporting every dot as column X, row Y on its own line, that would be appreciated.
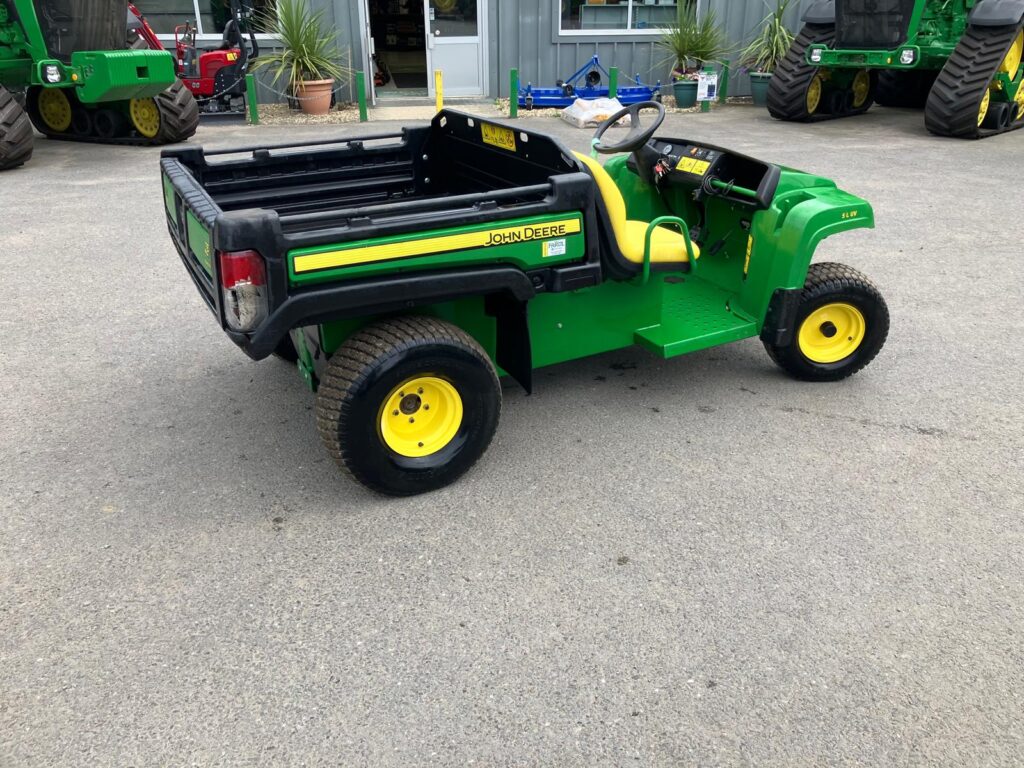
column 613, row 82
column 250, row 97
column 361, row 95
column 723, row 82
column 513, row 92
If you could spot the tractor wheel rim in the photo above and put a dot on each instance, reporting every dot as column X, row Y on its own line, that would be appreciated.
column 145, row 117
column 1011, row 63
column 832, row 333
column 421, row 416
column 814, row 95
column 1020, row 101
column 986, row 100
column 861, row 88
column 55, row 109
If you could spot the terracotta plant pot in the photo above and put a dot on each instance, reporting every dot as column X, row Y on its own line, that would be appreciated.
column 314, row 96
column 759, row 87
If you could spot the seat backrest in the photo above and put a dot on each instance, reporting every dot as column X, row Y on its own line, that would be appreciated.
column 611, row 195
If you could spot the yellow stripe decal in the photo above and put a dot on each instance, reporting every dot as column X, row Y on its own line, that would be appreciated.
column 350, row 257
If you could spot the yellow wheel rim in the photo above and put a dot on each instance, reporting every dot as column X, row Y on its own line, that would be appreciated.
column 55, row 109
column 814, row 95
column 986, row 100
column 832, row 333
column 1013, row 58
column 861, row 88
column 145, row 117
column 1020, row 101
column 421, row 416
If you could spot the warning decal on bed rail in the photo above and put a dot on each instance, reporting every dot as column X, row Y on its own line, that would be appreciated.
column 496, row 136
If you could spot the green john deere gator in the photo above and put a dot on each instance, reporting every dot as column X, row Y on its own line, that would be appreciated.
column 962, row 60
column 65, row 68
column 405, row 272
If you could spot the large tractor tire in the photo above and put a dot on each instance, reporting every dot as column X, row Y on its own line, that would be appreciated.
column 796, row 90
column 179, row 114
column 904, row 89
column 960, row 103
column 16, row 135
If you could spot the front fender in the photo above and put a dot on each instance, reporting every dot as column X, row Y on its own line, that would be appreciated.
column 997, row 13
column 784, row 239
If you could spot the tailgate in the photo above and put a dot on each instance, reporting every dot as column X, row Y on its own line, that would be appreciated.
column 190, row 218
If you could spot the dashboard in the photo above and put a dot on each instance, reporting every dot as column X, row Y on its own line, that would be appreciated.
column 717, row 172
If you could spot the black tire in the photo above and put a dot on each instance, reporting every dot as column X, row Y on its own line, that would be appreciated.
column 368, row 369
column 16, row 137
column 179, row 114
column 829, row 283
column 787, row 91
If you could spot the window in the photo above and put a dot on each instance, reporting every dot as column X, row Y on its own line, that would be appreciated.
column 208, row 17
column 609, row 16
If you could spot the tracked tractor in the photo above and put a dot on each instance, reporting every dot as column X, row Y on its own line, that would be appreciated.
column 962, row 60
column 66, row 68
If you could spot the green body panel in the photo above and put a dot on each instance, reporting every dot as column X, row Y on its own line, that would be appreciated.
column 552, row 247
column 169, row 202
column 199, row 242
column 724, row 298
column 96, row 76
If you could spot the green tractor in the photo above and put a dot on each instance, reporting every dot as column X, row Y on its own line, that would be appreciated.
column 65, row 68
column 959, row 59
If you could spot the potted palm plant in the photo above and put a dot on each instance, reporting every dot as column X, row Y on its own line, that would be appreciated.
column 308, row 57
column 692, row 43
column 767, row 50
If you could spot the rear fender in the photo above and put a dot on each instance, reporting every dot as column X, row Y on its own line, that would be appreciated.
column 822, row 12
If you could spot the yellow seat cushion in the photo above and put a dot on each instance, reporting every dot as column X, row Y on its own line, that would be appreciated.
column 668, row 246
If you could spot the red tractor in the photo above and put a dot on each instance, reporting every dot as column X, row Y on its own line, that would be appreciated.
column 216, row 76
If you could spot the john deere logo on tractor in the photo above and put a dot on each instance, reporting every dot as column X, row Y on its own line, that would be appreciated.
column 522, row 234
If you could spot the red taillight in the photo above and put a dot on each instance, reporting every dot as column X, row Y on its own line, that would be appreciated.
column 241, row 267
column 243, row 279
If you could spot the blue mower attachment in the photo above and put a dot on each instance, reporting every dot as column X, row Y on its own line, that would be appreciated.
column 585, row 83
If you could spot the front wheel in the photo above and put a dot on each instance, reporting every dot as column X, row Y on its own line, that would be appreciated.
column 15, row 132
column 841, row 324
column 408, row 405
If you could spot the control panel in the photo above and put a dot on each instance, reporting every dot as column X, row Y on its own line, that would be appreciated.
column 713, row 171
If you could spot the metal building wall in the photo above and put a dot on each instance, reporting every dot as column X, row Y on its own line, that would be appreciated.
column 524, row 34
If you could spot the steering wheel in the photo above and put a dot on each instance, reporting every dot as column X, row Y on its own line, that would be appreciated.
column 637, row 137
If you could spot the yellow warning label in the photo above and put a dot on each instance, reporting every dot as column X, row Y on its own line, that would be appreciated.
column 350, row 257
column 696, row 167
column 497, row 136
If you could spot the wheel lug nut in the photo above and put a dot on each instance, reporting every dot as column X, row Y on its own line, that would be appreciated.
column 411, row 419
column 419, row 391
column 394, row 413
column 426, row 407
column 420, row 445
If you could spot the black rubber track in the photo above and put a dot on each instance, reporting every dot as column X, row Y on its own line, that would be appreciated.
column 179, row 119
column 16, row 137
column 953, row 105
column 360, row 359
column 787, row 91
column 907, row 89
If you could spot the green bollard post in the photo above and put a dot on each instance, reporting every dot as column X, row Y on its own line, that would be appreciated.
column 723, row 82
column 361, row 96
column 613, row 82
column 513, row 92
column 250, row 97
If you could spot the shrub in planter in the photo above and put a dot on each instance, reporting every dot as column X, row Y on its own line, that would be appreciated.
column 308, row 59
column 692, row 43
column 766, row 50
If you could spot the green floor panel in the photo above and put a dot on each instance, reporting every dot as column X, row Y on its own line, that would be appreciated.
column 695, row 315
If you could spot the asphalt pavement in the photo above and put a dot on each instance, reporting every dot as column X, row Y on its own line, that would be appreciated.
column 688, row 562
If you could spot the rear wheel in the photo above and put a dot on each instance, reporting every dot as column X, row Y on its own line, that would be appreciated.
column 797, row 89
column 408, row 405
column 842, row 322
column 16, row 136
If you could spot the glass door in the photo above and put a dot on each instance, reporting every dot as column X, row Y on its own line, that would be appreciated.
column 455, row 46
